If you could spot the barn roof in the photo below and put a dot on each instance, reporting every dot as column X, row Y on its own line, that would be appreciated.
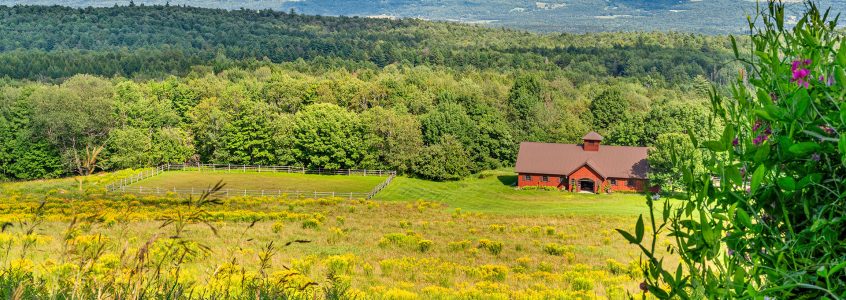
column 592, row 136
column 564, row 159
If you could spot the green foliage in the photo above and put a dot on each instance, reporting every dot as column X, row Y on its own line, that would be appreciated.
column 57, row 42
column 327, row 136
column 773, row 227
column 446, row 160
column 608, row 109
column 673, row 158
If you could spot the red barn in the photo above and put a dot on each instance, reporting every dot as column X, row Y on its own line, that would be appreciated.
column 588, row 167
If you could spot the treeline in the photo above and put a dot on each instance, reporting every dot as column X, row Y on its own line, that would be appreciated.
column 38, row 42
column 435, row 123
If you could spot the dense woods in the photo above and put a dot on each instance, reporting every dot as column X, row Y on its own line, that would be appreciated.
column 437, row 100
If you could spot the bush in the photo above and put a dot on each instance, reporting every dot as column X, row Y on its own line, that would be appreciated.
column 773, row 227
column 557, row 250
column 493, row 247
column 424, row 245
column 540, row 188
column 311, row 224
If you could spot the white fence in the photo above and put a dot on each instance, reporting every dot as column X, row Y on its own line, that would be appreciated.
column 124, row 184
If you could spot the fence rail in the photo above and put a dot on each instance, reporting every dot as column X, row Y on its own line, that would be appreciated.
column 124, row 184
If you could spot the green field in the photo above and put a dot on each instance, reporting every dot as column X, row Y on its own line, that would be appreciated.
column 494, row 192
column 262, row 181
column 475, row 238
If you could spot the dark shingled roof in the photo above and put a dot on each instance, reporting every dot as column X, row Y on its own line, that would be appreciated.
column 564, row 159
column 592, row 136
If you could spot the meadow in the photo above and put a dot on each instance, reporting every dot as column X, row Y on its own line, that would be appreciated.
column 531, row 245
column 261, row 181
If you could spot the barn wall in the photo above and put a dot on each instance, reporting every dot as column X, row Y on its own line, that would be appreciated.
column 638, row 185
column 586, row 172
column 537, row 180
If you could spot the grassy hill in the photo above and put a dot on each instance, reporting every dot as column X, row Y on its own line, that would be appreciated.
column 494, row 192
column 412, row 242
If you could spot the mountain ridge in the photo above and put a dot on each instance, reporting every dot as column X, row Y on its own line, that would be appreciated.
column 573, row 16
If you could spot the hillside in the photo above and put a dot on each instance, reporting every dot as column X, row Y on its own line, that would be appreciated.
column 54, row 42
column 711, row 17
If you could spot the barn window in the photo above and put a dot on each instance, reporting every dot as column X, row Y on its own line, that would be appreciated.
column 562, row 179
column 613, row 181
column 527, row 177
column 630, row 182
column 545, row 178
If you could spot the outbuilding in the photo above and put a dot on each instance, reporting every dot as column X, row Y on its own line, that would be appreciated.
column 589, row 167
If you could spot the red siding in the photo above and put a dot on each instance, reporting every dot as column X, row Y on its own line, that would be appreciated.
column 585, row 172
column 591, row 145
column 537, row 180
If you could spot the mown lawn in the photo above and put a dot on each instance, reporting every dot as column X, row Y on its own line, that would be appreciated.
column 262, row 181
column 494, row 192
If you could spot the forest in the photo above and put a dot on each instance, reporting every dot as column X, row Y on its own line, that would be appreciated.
column 97, row 89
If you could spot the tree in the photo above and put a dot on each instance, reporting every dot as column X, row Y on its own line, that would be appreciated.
column 393, row 138
column 446, row 160
column 525, row 95
column 327, row 136
column 608, row 109
column 672, row 155
column 77, row 118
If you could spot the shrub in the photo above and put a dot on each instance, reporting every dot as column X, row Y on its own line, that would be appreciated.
column 557, row 250
column 340, row 264
column 311, row 224
column 424, row 245
column 492, row 246
column 497, row 228
column 580, row 283
column 493, row 272
column 540, row 188
column 408, row 240
column 277, row 227
column 773, row 227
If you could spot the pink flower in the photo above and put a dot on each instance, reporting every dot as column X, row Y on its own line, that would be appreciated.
column 800, row 73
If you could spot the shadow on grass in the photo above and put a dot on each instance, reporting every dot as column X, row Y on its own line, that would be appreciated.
column 508, row 180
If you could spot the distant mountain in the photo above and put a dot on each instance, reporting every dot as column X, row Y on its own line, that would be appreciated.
column 700, row 16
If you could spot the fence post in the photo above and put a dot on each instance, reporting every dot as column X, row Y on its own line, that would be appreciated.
column 245, row 192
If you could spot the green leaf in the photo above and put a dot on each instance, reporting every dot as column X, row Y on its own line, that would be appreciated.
column 762, row 154
column 715, row 146
column 787, row 183
column 734, row 46
column 733, row 175
column 801, row 102
column 707, row 232
column 841, row 145
column 639, row 229
column 757, row 177
column 764, row 97
column 627, row 236
column 744, row 218
column 841, row 55
column 775, row 112
column 763, row 114
column 728, row 135
column 804, row 148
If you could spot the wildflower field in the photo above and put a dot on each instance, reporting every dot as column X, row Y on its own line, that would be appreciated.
column 262, row 181
column 66, row 243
